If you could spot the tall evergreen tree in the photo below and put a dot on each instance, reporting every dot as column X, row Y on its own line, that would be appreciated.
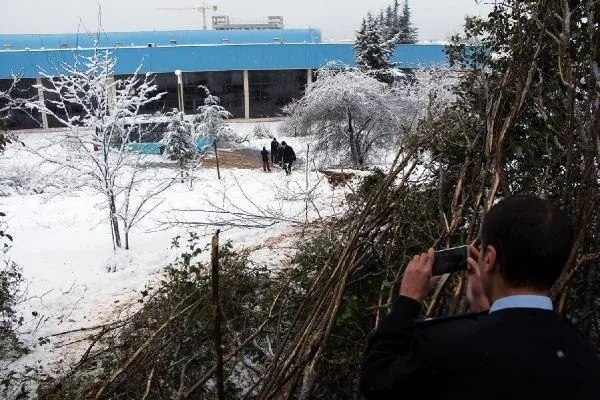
column 408, row 33
column 361, row 45
column 210, row 120
column 395, row 21
column 378, row 37
column 389, row 27
column 178, row 142
column 371, row 54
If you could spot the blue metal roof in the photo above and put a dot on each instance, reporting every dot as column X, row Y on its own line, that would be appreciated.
column 158, row 38
column 197, row 58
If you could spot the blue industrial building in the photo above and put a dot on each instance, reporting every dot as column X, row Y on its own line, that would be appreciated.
column 254, row 72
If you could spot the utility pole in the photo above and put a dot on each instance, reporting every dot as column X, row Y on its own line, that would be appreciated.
column 203, row 9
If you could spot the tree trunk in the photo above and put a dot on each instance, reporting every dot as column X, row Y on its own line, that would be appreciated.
column 181, row 169
column 114, row 222
column 351, row 138
column 126, row 238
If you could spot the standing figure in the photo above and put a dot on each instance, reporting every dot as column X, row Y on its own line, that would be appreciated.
column 288, row 157
column 279, row 157
column 274, row 150
column 265, row 159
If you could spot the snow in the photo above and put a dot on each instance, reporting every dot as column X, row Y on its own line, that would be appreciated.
column 62, row 238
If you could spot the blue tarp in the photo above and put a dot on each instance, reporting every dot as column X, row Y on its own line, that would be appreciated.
column 154, row 148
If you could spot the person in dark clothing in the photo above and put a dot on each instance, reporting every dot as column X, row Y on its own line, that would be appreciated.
column 265, row 159
column 518, row 348
column 279, row 158
column 287, row 157
column 274, row 150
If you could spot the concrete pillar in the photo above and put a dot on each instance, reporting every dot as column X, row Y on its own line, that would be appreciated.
column 246, row 95
column 180, row 100
column 308, row 76
column 38, row 81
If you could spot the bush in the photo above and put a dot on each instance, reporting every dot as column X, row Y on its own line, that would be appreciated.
column 13, row 384
column 168, row 347
column 11, row 278
column 262, row 131
column 25, row 180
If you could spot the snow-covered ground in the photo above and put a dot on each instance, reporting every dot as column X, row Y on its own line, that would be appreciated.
column 63, row 242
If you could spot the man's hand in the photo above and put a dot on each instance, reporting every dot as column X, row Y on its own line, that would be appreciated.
column 417, row 276
column 478, row 300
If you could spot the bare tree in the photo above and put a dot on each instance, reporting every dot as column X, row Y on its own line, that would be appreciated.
column 350, row 114
column 96, row 142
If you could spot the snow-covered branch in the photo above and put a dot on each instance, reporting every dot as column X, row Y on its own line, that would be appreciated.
column 101, row 119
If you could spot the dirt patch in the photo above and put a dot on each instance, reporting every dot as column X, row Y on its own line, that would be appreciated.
column 336, row 179
column 234, row 159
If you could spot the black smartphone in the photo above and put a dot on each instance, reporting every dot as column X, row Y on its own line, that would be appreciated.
column 450, row 260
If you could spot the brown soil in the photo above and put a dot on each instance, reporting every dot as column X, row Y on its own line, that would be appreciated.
column 233, row 159
column 336, row 179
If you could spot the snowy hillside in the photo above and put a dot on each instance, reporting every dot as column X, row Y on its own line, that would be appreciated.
column 63, row 242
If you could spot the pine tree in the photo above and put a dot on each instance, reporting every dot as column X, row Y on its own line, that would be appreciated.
column 178, row 142
column 408, row 33
column 361, row 45
column 210, row 121
column 371, row 53
column 381, row 25
column 389, row 23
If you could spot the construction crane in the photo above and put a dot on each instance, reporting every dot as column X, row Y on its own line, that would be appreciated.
column 203, row 9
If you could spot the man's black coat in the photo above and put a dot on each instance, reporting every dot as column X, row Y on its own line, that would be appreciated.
column 288, row 154
column 510, row 354
column 274, row 149
column 265, row 154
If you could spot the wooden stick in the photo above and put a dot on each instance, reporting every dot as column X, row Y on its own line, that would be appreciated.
column 306, row 194
column 217, row 313
column 148, row 384
column 217, row 159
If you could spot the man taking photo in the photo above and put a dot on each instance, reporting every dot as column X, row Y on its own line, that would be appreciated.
column 514, row 347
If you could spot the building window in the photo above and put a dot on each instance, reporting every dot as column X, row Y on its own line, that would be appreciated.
column 271, row 90
column 15, row 118
column 228, row 86
column 71, row 109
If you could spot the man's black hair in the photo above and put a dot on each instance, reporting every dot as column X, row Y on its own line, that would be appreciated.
column 532, row 238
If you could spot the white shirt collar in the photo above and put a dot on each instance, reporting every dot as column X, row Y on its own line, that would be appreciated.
column 522, row 301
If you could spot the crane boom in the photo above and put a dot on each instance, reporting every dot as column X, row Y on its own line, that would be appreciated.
column 203, row 9
column 177, row 9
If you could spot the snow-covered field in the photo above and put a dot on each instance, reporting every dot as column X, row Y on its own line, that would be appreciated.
column 63, row 242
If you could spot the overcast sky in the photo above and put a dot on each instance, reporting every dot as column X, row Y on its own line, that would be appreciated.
column 337, row 19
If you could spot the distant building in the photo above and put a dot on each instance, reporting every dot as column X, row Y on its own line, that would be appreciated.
column 254, row 72
column 221, row 22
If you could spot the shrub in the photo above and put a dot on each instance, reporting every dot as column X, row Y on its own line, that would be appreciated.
column 167, row 346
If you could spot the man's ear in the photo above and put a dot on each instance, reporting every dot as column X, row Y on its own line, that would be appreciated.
column 489, row 260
